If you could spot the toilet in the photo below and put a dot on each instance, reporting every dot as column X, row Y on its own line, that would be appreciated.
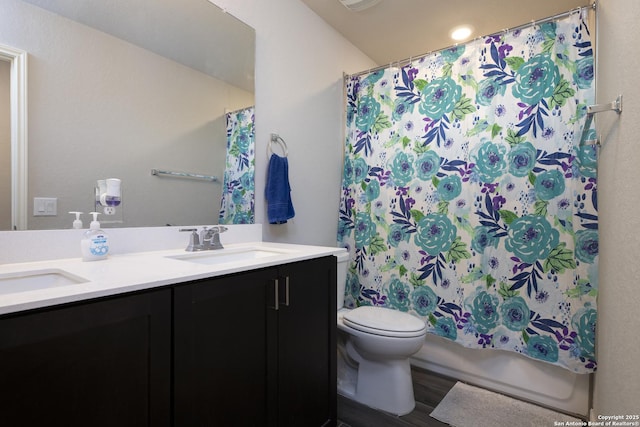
column 374, row 346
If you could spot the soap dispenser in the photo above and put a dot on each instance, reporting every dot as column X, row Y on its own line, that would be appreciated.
column 95, row 242
column 77, row 223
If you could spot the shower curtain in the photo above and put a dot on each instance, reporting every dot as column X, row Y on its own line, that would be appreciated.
column 237, row 205
column 467, row 199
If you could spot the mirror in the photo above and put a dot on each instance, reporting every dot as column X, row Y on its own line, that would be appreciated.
column 117, row 88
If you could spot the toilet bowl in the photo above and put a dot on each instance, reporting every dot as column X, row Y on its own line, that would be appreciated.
column 374, row 346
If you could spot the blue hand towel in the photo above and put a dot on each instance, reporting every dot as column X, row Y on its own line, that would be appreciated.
column 278, row 191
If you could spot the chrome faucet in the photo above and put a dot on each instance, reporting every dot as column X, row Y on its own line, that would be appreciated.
column 208, row 238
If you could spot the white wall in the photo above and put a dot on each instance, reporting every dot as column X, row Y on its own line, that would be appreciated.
column 299, row 64
column 617, row 382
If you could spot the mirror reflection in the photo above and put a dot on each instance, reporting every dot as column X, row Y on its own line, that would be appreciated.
column 118, row 88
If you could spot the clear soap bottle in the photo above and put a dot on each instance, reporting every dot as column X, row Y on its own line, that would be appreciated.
column 95, row 242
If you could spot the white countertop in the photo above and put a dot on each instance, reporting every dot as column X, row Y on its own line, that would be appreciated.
column 136, row 271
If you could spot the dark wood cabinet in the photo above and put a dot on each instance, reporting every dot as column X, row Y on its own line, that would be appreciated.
column 307, row 344
column 220, row 340
column 257, row 348
column 100, row 363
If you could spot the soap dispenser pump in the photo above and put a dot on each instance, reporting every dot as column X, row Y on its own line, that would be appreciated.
column 95, row 242
column 77, row 223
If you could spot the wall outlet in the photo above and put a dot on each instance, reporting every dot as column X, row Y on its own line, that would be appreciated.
column 45, row 206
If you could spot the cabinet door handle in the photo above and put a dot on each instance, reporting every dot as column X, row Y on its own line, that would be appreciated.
column 276, row 297
column 286, row 291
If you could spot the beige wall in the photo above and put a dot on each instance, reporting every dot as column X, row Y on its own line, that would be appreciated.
column 143, row 112
column 5, row 146
column 617, row 382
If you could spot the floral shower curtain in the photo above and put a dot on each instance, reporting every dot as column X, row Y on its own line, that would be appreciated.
column 237, row 205
column 467, row 199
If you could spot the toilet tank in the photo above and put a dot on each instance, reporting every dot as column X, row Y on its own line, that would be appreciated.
column 343, row 266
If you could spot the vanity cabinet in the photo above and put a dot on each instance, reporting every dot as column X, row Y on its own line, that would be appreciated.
column 257, row 348
column 99, row 363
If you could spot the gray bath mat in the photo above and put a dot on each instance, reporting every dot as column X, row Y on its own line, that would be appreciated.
column 468, row 406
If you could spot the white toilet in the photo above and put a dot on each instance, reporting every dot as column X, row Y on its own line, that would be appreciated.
column 374, row 346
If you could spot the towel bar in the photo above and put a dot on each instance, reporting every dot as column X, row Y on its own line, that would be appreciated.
column 184, row 175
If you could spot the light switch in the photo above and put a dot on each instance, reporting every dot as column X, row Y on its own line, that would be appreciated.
column 45, row 206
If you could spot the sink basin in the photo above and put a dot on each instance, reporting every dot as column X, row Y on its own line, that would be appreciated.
column 11, row 283
column 226, row 256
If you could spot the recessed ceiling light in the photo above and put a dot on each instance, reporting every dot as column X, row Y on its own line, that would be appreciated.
column 461, row 32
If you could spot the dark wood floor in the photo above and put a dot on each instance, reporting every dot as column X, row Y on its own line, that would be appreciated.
column 429, row 389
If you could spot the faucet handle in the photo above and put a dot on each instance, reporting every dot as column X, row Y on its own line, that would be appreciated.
column 194, row 240
column 215, row 236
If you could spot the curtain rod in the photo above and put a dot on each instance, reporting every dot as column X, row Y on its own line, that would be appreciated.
column 238, row 110
column 409, row 60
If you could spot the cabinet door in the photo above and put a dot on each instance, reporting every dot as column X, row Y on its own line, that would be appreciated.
column 307, row 343
column 102, row 363
column 221, row 333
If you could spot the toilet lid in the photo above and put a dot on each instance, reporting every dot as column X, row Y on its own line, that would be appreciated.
column 384, row 321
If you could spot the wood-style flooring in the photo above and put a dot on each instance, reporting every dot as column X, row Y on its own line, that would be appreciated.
column 429, row 389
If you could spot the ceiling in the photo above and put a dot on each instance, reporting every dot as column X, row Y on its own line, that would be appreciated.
column 394, row 30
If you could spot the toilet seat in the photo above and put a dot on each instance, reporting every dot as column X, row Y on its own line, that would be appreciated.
column 385, row 322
